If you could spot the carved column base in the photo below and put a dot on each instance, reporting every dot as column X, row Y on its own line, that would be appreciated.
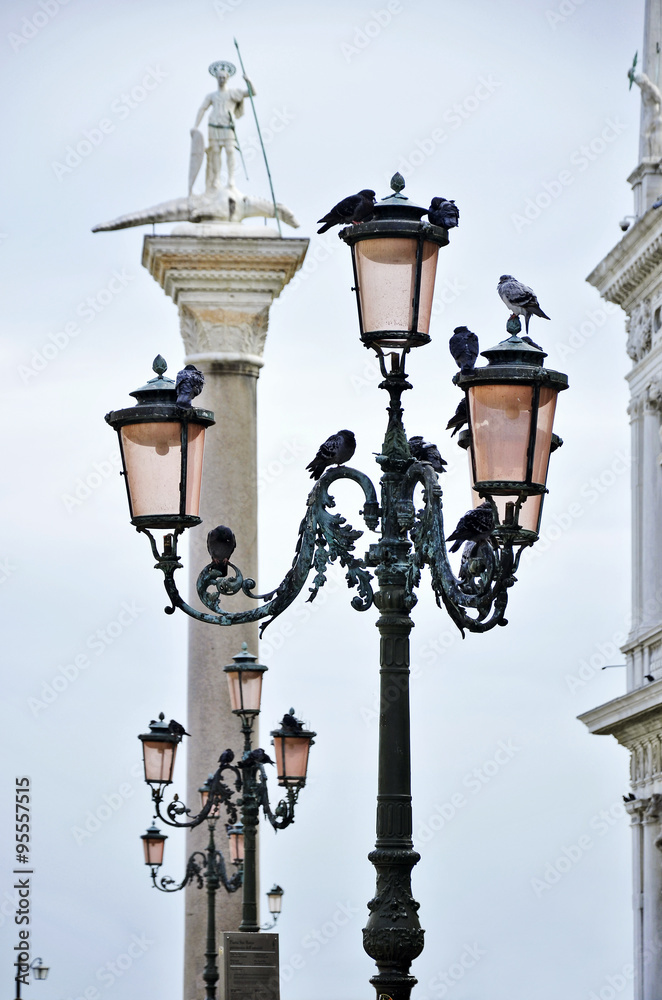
column 393, row 936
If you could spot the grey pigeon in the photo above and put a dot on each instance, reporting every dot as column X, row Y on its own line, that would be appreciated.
column 290, row 722
column 464, row 347
column 177, row 729
column 260, row 756
column 475, row 526
column 189, row 384
column 336, row 450
column 531, row 343
column 520, row 299
column 355, row 208
column 221, row 543
column 459, row 418
column 226, row 758
column 423, row 451
column 444, row 212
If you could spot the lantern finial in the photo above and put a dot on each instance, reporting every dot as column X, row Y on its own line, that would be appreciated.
column 513, row 325
column 397, row 182
column 159, row 365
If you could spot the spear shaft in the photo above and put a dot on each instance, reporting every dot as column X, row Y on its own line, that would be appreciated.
column 257, row 124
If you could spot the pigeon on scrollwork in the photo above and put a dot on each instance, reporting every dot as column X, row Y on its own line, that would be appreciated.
column 459, row 418
column 177, row 729
column 221, row 543
column 260, row 756
column 336, row 450
column 464, row 347
column 356, row 208
column 423, row 451
column 189, row 384
column 474, row 526
column 444, row 212
column 520, row 299
column 226, row 758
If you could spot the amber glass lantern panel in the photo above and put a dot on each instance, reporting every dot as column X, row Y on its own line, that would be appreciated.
column 500, row 425
column 386, row 274
column 546, row 410
column 245, row 687
column 154, row 847
column 159, row 758
column 291, row 759
column 153, row 462
column 529, row 512
column 236, row 837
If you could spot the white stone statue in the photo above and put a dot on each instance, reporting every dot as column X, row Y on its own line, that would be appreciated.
column 652, row 107
column 221, row 204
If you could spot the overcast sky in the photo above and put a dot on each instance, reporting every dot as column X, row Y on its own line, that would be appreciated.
column 521, row 112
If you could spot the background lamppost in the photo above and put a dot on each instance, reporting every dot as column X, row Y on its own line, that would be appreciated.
column 291, row 745
column 39, row 971
column 275, row 903
column 510, row 405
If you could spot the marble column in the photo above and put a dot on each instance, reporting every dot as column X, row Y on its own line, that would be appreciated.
column 650, row 958
column 223, row 286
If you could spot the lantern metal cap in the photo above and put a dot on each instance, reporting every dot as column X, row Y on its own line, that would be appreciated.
column 243, row 660
column 396, row 216
column 512, row 360
column 159, row 731
column 153, row 832
column 307, row 734
column 157, row 401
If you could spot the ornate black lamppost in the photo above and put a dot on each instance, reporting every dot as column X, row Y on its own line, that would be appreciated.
column 510, row 403
column 291, row 744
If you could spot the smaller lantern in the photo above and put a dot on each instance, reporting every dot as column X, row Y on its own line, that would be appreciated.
column 159, row 750
column 292, row 745
column 275, row 900
column 39, row 970
column 161, row 445
column 236, row 838
column 153, row 844
column 529, row 514
column 394, row 256
column 511, row 403
column 245, row 682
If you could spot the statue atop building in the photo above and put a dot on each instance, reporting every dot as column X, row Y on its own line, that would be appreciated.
column 221, row 203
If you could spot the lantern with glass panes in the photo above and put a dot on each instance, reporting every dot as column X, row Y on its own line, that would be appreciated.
column 39, row 971
column 275, row 903
column 511, row 404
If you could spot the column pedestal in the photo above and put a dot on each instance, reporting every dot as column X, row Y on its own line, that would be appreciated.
column 223, row 287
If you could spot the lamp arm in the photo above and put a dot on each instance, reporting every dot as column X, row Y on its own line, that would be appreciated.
column 194, row 869
column 486, row 572
column 219, row 794
column 323, row 538
column 283, row 814
column 217, row 866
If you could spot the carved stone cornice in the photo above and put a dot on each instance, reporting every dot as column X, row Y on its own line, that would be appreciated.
column 621, row 275
column 635, row 719
column 639, row 327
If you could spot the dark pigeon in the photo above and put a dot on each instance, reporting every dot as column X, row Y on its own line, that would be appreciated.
column 423, row 451
column 177, row 729
column 290, row 722
column 189, row 384
column 221, row 543
column 475, row 526
column 531, row 343
column 520, row 299
column 336, row 450
column 260, row 756
column 464, row 347
column 226, row 758
column 444, row 212
column 356, row 208
column 459, row 418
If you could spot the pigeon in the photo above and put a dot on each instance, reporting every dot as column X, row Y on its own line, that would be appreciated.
column 289, row 722
column 189, row 384
column 649, row 678
column 356, row 208
column 464, row 348
column 629, row 798
column 336, row 450
column 226, row 758
column 221, row 543
column 177, row 729
column 260, row 756
column 520, row 299
column 475, row 526
column 459, row 418
column 423, row 451
column 444, row 212
column 531, row 343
